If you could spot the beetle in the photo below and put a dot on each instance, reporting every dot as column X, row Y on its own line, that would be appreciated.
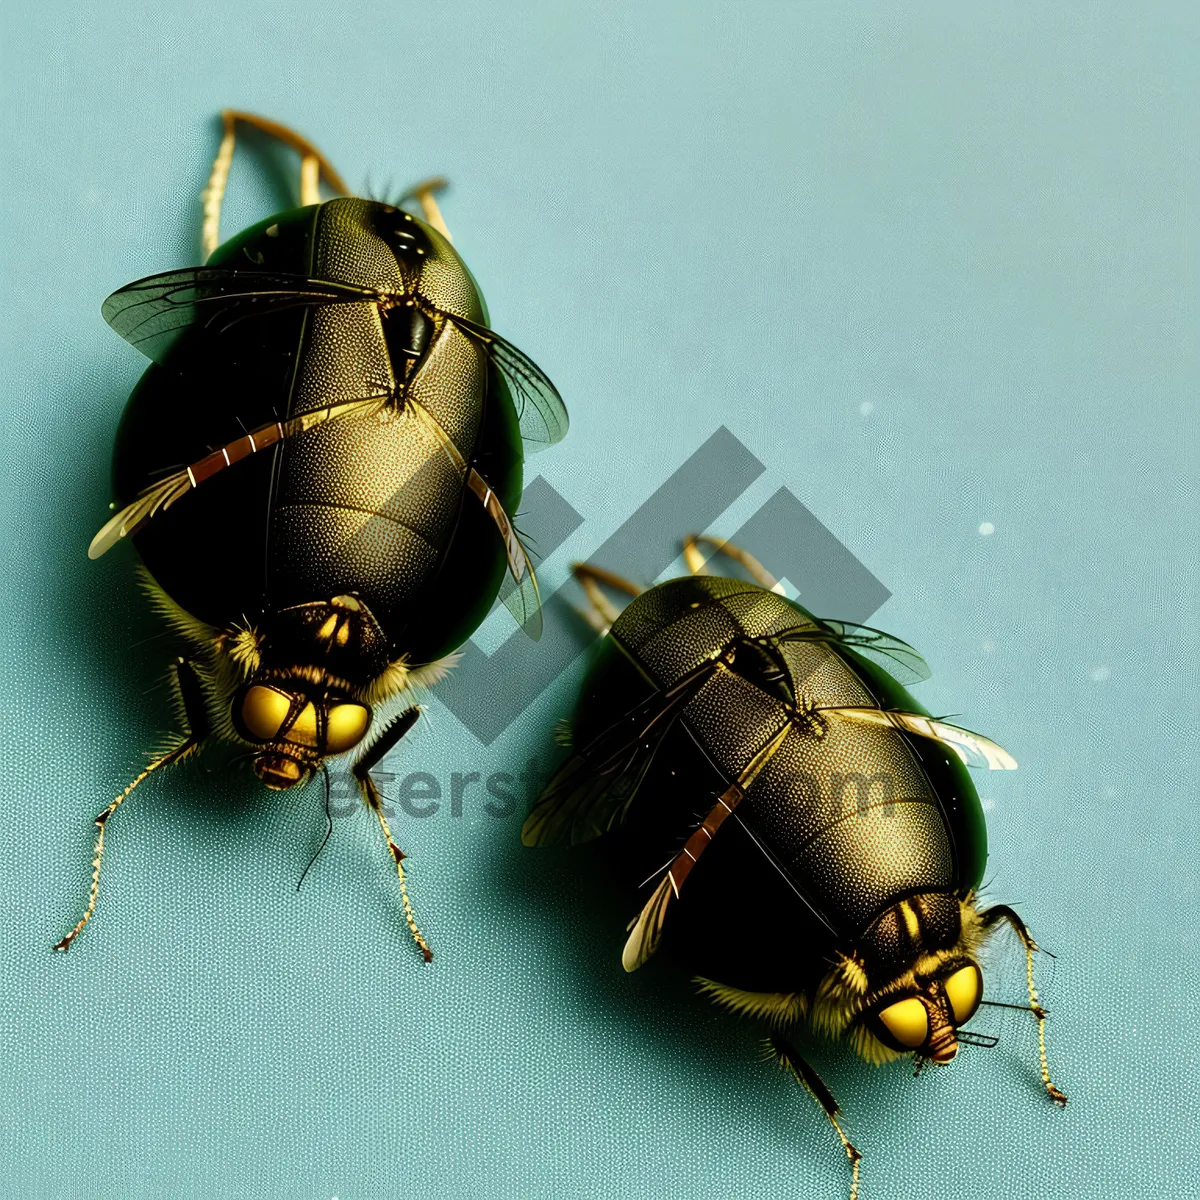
column 329, row 387
column 813, row 838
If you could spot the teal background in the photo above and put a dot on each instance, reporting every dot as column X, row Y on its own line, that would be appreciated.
column 935, row 265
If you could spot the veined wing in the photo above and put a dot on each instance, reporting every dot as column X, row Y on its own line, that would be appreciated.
column 152, row 314
column 973, row 749
column 540, row 409
column 592, row 791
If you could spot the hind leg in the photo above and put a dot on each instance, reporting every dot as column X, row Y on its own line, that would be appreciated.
column 423, row 193
column 787, row 1057
column 314, row 167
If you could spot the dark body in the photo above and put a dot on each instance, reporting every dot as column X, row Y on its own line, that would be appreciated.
column 842, row 826
column 795, row 830
column 317, row 471
column 371, row 507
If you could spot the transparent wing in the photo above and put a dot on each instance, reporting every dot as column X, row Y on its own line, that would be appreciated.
column 540, row 408
column 592, row 791
column 523, row 600
column 973, row 749
column 898, row 658
column 153, row 313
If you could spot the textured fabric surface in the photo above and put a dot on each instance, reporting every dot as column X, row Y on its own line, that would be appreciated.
column 934, row 266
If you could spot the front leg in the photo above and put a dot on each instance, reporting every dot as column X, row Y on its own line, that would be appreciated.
column 374, row 801
column 190, row 693
column 992, row 917
column 788, row 1058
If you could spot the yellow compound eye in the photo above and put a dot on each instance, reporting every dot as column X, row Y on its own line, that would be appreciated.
column 346, row 726
column 264, row 711
column 964, row 990
column 907, row 1021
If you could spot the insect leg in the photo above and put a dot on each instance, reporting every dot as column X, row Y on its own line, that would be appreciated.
column 423, row 194
column 191, row 695
column 213, row 195
column 696, row 560
column 601, row 612
column 787, row 1057
column 313, row 167
column 992, row 916
column 374, row 801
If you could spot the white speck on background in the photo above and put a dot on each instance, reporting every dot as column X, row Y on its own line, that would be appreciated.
column 1100, row 674
column 987, row 805
column 987, row 647
column 987, row 529
column 866, row 408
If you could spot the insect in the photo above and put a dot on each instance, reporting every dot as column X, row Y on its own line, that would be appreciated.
column 809, row 836
column 317, row 470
